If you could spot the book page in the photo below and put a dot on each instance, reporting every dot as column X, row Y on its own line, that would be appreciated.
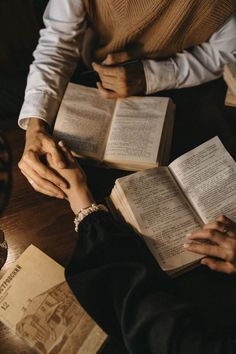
column 232, row 69
column 230, row 76
column 163, row 217
column 84, row 120
column 230, row 98
column 207, row 176
column 136, row 129
column 36, row 302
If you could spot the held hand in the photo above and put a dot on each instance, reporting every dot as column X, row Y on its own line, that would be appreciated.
column 220, row 250
column 120, row 81
column 39, row 144
column 78, row 193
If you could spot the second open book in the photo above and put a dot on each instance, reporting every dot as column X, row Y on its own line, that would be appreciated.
column 165, row 204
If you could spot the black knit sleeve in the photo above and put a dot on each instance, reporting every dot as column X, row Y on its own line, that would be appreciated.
column 118, row 282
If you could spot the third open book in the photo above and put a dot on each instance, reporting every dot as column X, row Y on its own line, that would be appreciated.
column 165, row 204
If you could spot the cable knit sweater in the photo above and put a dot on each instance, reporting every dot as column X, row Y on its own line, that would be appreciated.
column 154, row 28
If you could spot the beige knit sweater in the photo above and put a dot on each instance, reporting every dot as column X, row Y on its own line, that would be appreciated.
column 154, row 28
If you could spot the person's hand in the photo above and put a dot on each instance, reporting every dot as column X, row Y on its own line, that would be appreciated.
column 220, row 245
column 40, row 145
column 78, row 193
column 120, row 81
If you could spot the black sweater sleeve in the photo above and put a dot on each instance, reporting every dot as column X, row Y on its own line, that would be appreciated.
column 118, row 282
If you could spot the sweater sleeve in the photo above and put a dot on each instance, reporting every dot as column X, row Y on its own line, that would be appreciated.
column 118, row 282
column 196, row 65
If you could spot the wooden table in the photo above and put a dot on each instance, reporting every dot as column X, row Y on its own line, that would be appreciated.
column 48, row 223
column 32, row 218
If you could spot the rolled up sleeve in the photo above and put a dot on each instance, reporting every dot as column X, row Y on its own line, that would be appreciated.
column 55, row 59
column 195, row 66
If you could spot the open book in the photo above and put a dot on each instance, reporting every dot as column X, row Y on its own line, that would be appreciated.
column 165, row 204
column 36, row 302
column 230, row 79
column 131, row 133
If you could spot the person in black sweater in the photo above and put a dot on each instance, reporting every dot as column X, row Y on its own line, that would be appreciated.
column 118, row 282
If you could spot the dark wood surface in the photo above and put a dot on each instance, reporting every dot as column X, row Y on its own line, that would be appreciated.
column 48, row 223
column 31, row 218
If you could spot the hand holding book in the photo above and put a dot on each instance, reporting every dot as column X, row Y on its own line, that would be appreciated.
column 166, row 203
column 220, row 250
column 121, row 75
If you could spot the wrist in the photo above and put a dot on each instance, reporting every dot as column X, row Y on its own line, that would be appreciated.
column 37, row 125
column 92, row 208
column 80, row 198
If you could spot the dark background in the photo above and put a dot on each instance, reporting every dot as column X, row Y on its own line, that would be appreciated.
column 20, row 21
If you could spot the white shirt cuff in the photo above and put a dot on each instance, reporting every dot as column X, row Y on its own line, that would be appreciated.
column 160, row 75
column 38, row 105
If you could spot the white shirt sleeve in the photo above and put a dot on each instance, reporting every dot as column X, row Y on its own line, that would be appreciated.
column 193, row 67
column 55, row 59
column 59, row 48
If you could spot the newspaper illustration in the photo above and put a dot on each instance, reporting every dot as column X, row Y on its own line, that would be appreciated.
column 36, row 302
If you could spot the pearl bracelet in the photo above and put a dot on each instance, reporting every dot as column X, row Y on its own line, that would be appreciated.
column 86, row 211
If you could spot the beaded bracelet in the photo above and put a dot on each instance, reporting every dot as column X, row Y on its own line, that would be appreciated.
column 86, row 211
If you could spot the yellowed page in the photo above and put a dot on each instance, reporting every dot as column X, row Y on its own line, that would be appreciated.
column 161, row 213
column 137, row 129
column 207, row 176
column 36, row 302
column 230, row 99
column 84, row 120
column 230, row 76
column 118, row 205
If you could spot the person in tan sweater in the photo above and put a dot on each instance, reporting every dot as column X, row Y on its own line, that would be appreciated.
column 176, row 44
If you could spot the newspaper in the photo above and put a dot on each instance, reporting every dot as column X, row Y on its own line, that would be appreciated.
column 36, row 302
